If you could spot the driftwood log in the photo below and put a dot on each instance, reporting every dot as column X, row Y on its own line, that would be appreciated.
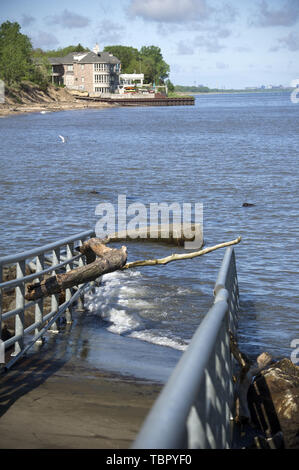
column 171, row 234
column 183, row 256
column 101, row 260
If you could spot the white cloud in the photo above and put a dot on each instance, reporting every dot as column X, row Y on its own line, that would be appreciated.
column 27, row 20
column 184, row 48
column 209, row 43
column 285, row 15
column 170, row 11
column 44, row 39
column 221, row 65
column 69, row 20
column 291, row 42
column 110, row 33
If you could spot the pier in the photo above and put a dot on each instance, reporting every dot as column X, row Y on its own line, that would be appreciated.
column 77, row 397
column 130, row 101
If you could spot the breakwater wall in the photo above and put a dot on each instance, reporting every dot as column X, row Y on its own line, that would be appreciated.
column 155, row 101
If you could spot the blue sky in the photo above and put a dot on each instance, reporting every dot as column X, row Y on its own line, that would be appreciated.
column 216, row 43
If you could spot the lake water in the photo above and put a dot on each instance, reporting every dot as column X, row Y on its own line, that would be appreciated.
column 222, row 152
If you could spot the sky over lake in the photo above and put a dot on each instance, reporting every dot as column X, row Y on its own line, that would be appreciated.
column 228, row 43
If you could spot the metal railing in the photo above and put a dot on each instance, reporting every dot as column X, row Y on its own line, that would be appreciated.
column 195, row 408
column 53, row 258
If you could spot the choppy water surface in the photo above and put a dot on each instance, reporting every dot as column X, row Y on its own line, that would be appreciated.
column 224, row 151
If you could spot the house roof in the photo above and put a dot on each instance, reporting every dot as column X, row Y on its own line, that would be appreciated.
column 85, row 58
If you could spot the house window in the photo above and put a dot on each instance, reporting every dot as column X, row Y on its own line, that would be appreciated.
column 70, row 68
column 101, row 78
column 82, row 79
column 82, row 66
column 101, row 89
column 101, row 67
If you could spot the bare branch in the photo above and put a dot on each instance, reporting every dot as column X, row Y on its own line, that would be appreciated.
column 177, row 257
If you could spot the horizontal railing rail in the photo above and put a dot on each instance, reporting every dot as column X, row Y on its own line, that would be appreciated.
column 60, row 256
column 195, row 408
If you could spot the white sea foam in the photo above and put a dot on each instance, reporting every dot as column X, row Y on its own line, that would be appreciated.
column 124, row 302
column 151, row 337
column 121, row 322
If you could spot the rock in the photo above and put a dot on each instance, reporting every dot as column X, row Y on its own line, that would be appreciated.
column 273, row 400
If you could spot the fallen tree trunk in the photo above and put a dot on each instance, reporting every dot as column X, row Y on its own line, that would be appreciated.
column 110, row 259
column 102, row 260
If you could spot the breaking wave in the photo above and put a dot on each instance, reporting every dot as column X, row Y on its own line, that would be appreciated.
column 128, row 308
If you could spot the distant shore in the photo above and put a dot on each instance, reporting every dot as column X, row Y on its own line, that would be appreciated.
column 235, row 92
column 30, row 99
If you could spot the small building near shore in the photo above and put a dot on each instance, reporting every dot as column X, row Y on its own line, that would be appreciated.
column 130, row 81
column 94, row 72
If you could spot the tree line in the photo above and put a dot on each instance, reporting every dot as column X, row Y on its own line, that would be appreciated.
column 19, row 61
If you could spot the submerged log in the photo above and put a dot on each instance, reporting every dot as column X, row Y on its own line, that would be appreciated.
column 172, row 234
column 109, row 259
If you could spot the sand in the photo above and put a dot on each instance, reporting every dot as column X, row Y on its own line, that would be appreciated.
column 30, row 98
column 6, row 110
column 52, row 405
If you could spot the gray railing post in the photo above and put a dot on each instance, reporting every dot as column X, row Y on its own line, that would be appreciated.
column 20, row 303
column 44, row 321
column 199, row 394
column 1, row 278
column 55, row 297
column 196, row 420
column 39, row 307
column 210, row 403
column 80, row 305
column 68, row 292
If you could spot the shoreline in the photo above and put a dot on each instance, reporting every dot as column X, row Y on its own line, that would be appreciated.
column 15, row 110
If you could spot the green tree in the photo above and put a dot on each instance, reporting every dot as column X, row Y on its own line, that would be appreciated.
column 148, row 60
column 15, row 54
column 62, row 51
column 41, row 70
column 128, row 57
column 154, row 67
column 170, row 85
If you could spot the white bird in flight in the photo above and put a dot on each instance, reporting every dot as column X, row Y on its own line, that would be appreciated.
column 62, row 138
